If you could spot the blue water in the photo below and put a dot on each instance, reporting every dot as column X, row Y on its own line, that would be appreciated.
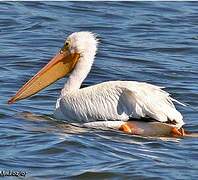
column 156, row 42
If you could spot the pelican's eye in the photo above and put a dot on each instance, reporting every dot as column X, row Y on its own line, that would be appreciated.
column 65, row 47
column 66, row 44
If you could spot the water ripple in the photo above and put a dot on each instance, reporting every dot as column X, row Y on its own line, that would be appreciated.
column 154, row 42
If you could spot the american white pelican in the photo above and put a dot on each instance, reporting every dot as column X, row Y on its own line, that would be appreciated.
column 113, row 101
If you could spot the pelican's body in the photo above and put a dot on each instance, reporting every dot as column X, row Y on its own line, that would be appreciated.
column 117, row 100
column 108, row 101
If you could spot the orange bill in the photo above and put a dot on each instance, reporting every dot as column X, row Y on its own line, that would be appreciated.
column 58, row 67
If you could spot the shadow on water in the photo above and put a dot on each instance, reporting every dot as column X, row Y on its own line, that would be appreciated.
column 58, row 126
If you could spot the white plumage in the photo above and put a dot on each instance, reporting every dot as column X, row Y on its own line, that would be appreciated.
column 113, row 100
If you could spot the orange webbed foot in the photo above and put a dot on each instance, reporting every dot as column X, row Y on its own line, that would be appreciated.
column 126, row 128
column 177, row 132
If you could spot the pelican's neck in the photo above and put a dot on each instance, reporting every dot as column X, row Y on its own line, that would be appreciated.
column 79, row 73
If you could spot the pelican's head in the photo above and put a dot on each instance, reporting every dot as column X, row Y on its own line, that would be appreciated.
column 81, row 43
column 77, row 45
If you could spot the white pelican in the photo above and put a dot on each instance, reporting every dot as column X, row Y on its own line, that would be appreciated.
column 113, row 101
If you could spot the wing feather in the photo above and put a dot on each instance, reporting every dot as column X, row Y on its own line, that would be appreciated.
column 152, row 101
